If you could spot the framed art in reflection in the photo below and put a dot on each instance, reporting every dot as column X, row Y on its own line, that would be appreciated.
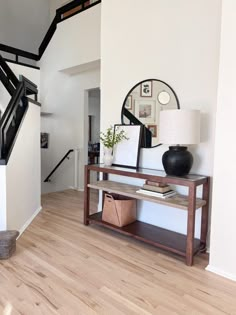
column 153, row 129
column 146, row 89
column 44, row 140
column 145, row 111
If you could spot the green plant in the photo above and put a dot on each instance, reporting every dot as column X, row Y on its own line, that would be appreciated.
column 109, row 138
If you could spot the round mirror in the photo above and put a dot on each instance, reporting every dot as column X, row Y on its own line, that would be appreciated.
column 142, row 106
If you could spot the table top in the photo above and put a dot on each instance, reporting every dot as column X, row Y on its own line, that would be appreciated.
column 147, row 173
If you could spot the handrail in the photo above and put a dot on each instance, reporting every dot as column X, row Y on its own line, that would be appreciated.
column 58, row 164
column 29, row 87
column 52, row 28
column 22, row 64
column 48, row 36
column 6, row 82
column 12, row 116
column 17, row 95
column 69, row 6
column 29, row 83
column 85, row 4
column 19, row 52
column 8, row 77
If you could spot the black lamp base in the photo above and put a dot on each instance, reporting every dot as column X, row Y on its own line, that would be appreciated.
column 177, row 161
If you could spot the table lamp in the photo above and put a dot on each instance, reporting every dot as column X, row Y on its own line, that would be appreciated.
column 179, row 127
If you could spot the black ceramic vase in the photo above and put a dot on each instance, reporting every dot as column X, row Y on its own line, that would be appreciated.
column 177, row 161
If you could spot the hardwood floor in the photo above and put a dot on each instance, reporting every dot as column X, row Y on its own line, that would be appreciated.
column 64, row 267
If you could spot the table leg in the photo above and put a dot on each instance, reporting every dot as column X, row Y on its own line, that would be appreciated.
column 204, row 219
column 86, row 195
column 104, row 177
column 191, row 225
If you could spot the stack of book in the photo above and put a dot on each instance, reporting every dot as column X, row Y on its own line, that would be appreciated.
column 156, row 189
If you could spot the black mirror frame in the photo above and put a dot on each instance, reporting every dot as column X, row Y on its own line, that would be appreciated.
column 134, row 87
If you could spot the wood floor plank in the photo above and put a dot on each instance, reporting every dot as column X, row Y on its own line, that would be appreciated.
column 63, row 267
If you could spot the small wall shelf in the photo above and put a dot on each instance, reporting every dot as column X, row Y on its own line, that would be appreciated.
column 46, row 114
column 184, row 245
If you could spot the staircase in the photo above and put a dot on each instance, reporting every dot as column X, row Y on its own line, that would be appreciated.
column 11, row 119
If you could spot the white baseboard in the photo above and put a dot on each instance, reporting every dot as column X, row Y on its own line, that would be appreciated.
column 28, row 222
column 76, row 188
column 221, row 273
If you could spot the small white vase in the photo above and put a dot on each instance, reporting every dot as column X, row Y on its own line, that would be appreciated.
column 108, row 157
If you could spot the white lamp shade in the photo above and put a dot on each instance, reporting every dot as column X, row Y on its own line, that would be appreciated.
column 179, row 126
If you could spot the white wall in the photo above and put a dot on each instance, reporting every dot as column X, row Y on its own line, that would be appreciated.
column 54, row 5
column 64, row 95
column 20, row 178
column 24, row 23
column 177, row 42
column 66, row 127
column 73, row 46
column 223, row 235
column 3, row 196
column 28, row 72
column 23, row 172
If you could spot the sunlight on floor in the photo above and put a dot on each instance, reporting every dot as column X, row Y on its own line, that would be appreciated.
column 8, row 309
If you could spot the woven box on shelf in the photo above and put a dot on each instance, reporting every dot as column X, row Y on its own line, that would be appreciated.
column 7, row 243
column 119, row 210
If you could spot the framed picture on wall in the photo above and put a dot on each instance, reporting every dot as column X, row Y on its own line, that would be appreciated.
column 126, row 152
column 153, row 129
column 145, row 111
column 128, row 103
column 146, row 89
column 44, row 140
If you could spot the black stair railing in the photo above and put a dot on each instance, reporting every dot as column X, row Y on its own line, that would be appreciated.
column 29, row 87
column 11, row 119
column 8, row 77
column 13, row 115
column 66, row 156
column 146, row 133
column 62, row 14
column 18, row 52
column 48, row 36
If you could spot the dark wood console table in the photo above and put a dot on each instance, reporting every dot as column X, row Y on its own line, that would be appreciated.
column 184, row 245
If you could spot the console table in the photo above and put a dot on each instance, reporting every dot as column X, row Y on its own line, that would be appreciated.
column 184, row 245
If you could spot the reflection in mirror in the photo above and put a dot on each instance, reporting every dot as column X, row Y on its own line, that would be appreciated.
column 143, row 104
column 163, row 98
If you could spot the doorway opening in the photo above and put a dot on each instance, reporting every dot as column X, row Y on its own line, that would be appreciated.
column 93, row 126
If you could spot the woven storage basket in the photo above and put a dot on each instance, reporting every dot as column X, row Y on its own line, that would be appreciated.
column 119, row 210
column 7, row 243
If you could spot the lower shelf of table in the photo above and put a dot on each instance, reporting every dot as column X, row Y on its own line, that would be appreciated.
column 154, row 235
